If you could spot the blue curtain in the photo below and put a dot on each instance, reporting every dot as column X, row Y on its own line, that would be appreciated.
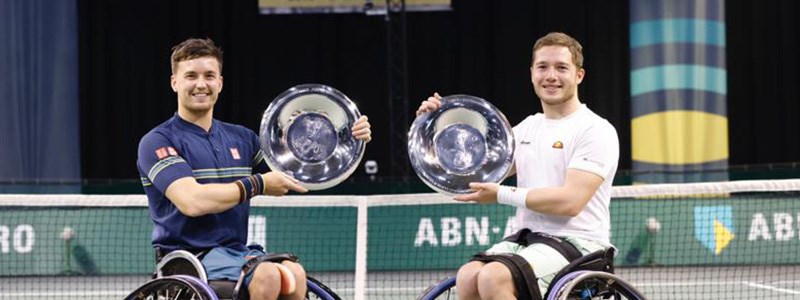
column 39, row 118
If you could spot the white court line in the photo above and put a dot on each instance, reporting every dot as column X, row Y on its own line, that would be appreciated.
column 63, row 294
column 717, row 283
column 380, row 290
column 779, row 282
column 772, row 288
column 402, row 290
column 686, row 283
column 112, row 293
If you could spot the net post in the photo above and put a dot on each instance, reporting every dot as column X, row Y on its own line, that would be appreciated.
column 361, row 249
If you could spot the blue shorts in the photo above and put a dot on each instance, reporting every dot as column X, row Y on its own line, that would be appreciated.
column 223, row 263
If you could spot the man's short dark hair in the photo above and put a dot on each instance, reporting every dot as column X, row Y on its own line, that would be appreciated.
column 193, row 48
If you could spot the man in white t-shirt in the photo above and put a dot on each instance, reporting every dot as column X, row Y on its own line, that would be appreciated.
column 565, row 161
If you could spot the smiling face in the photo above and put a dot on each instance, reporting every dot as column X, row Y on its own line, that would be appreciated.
column 198, row 83
column 555, row 76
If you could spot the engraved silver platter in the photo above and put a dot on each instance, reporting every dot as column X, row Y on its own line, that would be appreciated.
column 306, row 132
column 466, row 140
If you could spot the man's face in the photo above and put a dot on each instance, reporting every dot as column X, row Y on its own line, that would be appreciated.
column 554, row 75
column 198, row 83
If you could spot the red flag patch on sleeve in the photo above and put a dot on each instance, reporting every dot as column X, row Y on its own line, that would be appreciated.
column 161, row 152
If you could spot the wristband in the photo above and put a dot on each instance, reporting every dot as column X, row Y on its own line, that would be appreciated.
column 260, row 187
column 250, row 187
column 512, row 196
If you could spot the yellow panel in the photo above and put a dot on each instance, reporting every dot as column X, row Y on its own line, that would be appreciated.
column 679, row 137
column 722, row 237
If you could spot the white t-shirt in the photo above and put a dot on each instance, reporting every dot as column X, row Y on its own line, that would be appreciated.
column 546, row 148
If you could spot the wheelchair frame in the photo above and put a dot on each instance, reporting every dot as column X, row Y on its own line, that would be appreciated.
column 566, row 282
column 195, row 286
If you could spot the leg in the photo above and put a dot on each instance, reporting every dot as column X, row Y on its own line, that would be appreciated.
column 495, row 282
column 300, row 281
column 467, row 280
column 546, row 262
column 265, row 284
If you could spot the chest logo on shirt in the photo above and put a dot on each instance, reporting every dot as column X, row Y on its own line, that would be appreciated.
column 235, row 153
column 558, row 145
column 163, row 152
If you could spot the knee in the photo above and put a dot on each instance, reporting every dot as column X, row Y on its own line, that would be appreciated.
column 467, row 280
column 263, row 285
column 495, row 278
column 266, row 274
column 297, row 269
column 299, row 275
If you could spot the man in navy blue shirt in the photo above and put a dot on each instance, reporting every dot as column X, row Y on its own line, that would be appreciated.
column 199, row 173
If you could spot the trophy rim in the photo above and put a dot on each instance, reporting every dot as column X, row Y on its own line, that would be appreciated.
column 346, row 156
column 425, row 162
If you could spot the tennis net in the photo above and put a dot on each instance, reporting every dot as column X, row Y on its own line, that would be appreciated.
column 729, row 240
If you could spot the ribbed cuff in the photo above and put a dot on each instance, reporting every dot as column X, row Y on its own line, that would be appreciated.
column 250, row 187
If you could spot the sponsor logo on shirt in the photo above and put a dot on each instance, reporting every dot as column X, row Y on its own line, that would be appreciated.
column 163, row 152
column 235, row 153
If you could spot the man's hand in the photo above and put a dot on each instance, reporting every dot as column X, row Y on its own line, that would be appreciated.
column 279, row 183
column 433, row 103
column 361, row 129
column 483, row 192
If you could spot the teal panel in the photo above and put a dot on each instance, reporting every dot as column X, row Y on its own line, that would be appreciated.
column 666, row 31
column 669, row 77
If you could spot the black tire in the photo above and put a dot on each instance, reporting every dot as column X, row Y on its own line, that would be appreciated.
column 317, row 290
column 441, row 290
column 175, row 287
column 593, row 285
column 186, row 287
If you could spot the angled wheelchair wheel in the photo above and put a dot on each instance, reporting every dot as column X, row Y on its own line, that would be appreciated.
column 318, row 291
column 592, row 285
column 175, row 287
column 442, row 290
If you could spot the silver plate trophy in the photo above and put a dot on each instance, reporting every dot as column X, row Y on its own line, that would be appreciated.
column 466, row 140
column 306, row 132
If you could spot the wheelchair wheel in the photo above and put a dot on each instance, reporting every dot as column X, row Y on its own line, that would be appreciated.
column 175, row 287
column 441, row 290
column 317, row 290
column 592, row 285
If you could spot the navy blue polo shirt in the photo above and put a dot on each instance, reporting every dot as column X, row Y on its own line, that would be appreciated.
column 177, row 149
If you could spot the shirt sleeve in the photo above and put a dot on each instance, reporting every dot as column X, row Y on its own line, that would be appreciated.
column 259, row 160
column 160, row 163
column 597, row 151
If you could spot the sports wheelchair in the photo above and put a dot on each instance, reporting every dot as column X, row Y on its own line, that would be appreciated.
column 589, row 277
column 180, row 275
